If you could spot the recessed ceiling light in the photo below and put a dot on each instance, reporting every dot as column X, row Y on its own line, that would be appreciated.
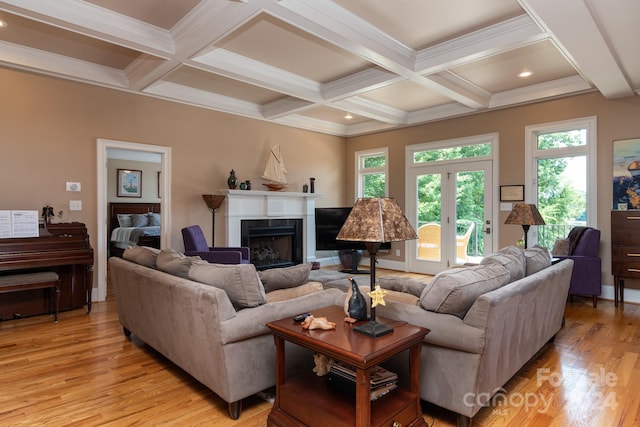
column 2, row 24
column 525, row 74
column 348, row 116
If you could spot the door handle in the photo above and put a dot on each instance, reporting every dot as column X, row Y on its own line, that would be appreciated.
column 487, row 230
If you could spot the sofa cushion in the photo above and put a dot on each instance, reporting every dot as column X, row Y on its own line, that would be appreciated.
column 291, row 293
column 142, row 255
column 511, row 258
column 239, row 281
column 175, row 263
column 402, row 284
column 286, row 277
column 538, row 258
column 454, row 291
column 561, row 247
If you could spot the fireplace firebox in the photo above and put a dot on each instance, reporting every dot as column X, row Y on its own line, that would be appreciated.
column 273, row 242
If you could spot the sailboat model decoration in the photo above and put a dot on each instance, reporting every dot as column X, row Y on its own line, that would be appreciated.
column 275, row 171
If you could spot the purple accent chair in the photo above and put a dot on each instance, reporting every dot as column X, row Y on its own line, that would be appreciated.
column 196, row 244
column 586, row 275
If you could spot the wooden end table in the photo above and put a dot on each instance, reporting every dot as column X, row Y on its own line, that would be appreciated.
column 308, row 400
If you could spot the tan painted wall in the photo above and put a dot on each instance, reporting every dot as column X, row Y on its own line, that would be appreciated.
column 49, row 130
column 617, row 119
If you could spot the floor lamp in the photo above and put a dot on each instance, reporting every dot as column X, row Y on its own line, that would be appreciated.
column 375, row 221
column 213, row 202
column 526, row 215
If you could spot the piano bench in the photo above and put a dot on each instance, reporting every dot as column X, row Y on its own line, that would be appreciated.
column 27, row 281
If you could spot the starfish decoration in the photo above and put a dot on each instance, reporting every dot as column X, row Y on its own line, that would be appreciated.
column 377, row 297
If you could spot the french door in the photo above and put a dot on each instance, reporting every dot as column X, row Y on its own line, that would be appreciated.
column 450, row 205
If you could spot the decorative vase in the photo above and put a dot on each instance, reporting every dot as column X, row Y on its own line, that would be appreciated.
column 248, row 183
column 232, row 181
column 355, row 304
column 313, row 184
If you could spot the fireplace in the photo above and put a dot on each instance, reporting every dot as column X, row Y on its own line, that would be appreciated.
column 265, row 209
column 273, row 242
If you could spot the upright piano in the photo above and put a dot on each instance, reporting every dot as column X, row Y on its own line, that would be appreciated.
column 63, row 248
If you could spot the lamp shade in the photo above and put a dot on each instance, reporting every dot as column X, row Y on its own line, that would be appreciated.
column 213, row 201
column 525, row 214
column 377, row 220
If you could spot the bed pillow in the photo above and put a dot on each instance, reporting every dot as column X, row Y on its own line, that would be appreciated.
column 454, row 291
column 142, row 255
column 286, row 277
column 175, row 263
column 154, row 219
column 124, row 220
column 239, row 281
column 139, row 220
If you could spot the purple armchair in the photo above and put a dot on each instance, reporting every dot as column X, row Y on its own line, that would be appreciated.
column 584, row 247
column 196, row 244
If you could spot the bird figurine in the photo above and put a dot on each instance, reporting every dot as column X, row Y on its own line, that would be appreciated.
column 355, row 305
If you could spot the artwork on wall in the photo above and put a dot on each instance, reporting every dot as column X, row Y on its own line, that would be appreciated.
column 129, row 183
column 512, row 193
column 626, row 174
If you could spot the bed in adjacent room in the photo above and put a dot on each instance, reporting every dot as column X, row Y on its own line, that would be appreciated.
column 132, row 224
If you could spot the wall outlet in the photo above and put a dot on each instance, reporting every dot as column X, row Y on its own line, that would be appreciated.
column 73, row 186
column 397, row 252
column 75, row 205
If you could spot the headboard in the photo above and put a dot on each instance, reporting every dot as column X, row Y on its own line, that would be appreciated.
column 129, row 208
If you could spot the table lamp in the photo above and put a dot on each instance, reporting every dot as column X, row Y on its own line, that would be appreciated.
column 213, row 202
column 375, row 221
column 526, row 215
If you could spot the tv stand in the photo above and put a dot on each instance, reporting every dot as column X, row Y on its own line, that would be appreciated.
column 355, row 259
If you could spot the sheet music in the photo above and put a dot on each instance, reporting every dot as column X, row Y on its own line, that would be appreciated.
column 19, row 223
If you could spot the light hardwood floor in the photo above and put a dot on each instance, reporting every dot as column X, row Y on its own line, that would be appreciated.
column 82, row 371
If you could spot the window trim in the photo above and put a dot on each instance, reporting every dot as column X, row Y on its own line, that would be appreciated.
column 361, row 171
column 532, row 154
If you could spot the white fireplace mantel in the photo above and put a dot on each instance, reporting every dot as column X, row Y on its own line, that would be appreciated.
column 254, row 204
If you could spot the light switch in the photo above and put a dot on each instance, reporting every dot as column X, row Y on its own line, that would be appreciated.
column 75, row 205
column 73, row 186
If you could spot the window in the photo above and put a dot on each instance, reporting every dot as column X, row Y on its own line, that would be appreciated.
column 372, row 170
column 561, row 167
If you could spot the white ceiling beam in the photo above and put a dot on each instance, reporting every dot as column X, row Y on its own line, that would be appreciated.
column 577, row 34
column 456, row 88
column 359, row 83
column 546, row 90
column 285, row 106
column 367, row 108
column 237, row 67
column 61, row 66
column 96, row 22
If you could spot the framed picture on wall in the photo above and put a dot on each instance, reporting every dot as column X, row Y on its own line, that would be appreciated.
column 129, row 183
column 626, row 174
column 512, row 193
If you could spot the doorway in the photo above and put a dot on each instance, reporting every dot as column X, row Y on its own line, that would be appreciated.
column 104, row 145
column 450, row 195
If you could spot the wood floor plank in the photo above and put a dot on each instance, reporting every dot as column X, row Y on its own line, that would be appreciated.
column 83, row 371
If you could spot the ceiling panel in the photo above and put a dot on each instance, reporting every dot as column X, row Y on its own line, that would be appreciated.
column 499, row 73
column 161, row 13
column 276, row 43
column 407, row 96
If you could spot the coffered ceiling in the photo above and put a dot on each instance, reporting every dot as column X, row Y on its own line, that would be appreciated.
column 310, row 63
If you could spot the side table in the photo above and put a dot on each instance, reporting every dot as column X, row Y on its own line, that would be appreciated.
column 308, row 400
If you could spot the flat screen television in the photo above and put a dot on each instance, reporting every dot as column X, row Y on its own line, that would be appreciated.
column 329, row 221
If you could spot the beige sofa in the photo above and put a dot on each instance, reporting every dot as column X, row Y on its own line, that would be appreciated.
column 216, row 332
column 486, row 322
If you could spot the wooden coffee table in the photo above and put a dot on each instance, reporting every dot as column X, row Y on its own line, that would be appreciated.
column 308, row 400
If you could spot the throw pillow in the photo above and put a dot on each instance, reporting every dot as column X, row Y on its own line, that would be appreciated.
column 286, row 277
column 239, row 281
column 142, row 255
column 454, row 291
column 154, row 219
column 139, row 220
column 291, row 293
column 175, row 263
column 561, row 247
column 124, row 220
column 402, row 284
column 538, row 258
column 511, row 258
